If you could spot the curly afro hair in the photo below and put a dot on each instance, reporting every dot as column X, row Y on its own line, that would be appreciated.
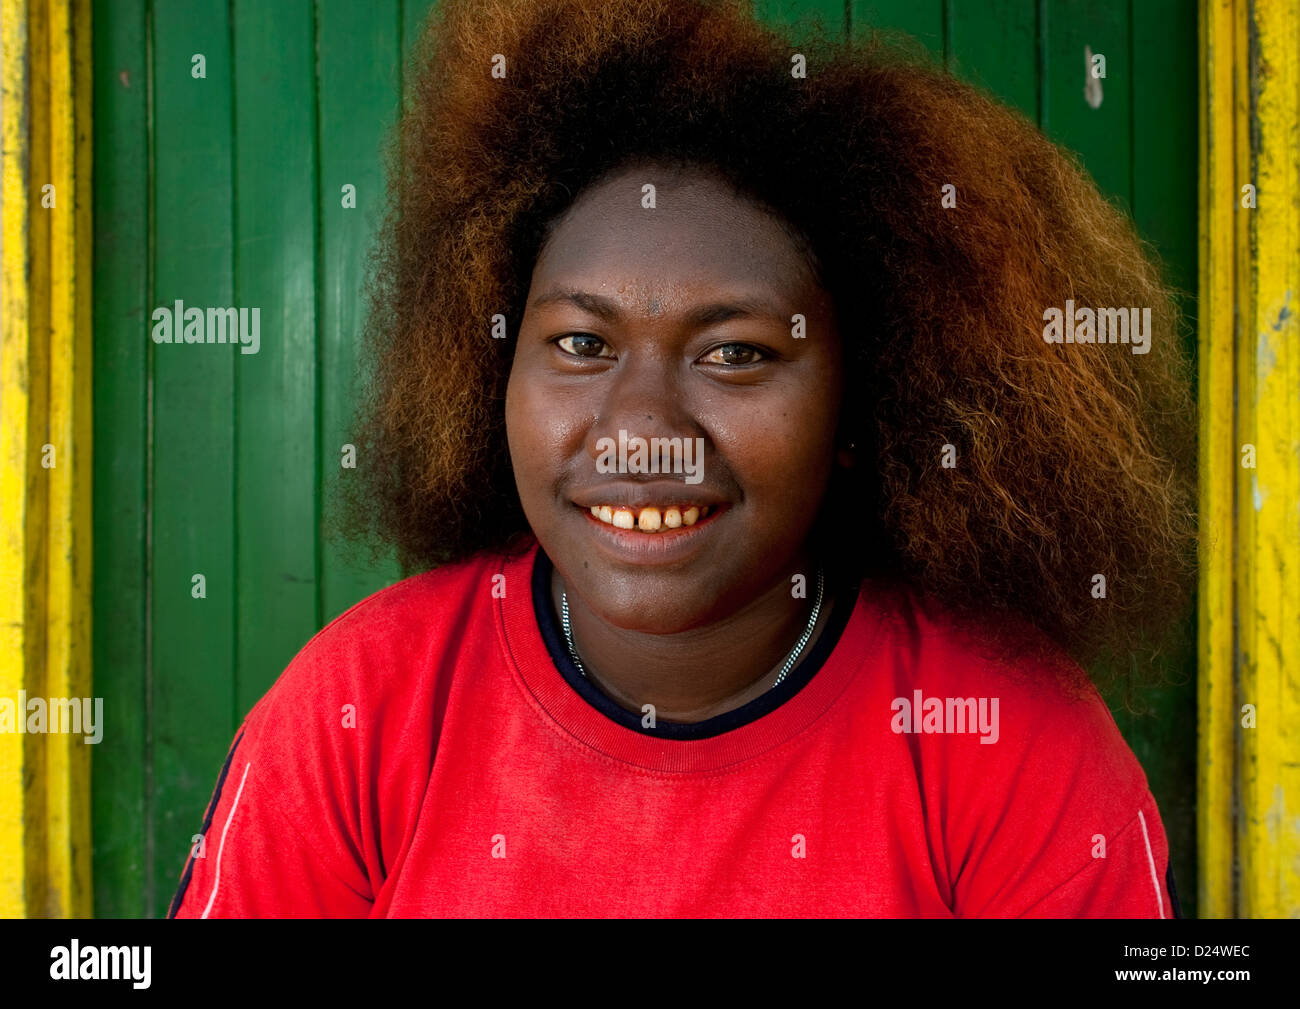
column 1072, row 459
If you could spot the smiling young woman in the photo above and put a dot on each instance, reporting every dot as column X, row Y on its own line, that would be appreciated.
column 837, row 670
column 674, row 344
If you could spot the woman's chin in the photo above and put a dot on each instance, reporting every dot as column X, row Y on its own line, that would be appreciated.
column 646, row 613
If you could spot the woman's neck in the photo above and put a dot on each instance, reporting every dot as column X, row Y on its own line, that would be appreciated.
column 703, row 672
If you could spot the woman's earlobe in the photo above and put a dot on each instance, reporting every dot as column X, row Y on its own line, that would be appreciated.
column 847, row 457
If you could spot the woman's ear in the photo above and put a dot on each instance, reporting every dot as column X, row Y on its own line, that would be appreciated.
column 847, row 457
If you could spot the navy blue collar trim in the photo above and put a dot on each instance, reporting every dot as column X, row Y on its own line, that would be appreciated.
column 796, row 680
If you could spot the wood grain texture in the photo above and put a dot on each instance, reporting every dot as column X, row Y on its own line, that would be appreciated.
column 1268, row 496
column 123, row 287
column 45, row 458
column 190, row 698
column 1218, row 459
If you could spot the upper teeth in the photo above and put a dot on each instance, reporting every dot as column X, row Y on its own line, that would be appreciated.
column 649, row 520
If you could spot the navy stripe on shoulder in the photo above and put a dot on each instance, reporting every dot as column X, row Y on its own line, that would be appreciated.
column 207, row 823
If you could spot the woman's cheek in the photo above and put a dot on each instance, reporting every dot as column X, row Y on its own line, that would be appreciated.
column 545, row 430
column 522, row 428
column 779, row 450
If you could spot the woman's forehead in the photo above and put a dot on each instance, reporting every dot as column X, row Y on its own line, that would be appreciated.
column 655, row 235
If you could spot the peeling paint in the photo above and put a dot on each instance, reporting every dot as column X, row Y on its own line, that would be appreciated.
column 1265, row 357
column 1284, row 313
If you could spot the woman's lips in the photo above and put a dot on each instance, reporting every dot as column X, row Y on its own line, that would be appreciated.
column 664, row 545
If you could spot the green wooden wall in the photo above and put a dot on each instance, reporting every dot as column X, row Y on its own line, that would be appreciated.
column 226, row 190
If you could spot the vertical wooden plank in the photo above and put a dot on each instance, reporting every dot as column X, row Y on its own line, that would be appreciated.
column 192, row 688
column 994, row 43
column 36, row 572
column 1268, row 500
column 923, row 20
column 60, row 435
column 1218, row 459
column 358, row 52
column 44, row 462
column 121, row 325
column 1164, row 133
column 1099, row 129
column 15, row 536
column 69, row 433
column 1243, row 392
column 275, row 186
column 1164, row 205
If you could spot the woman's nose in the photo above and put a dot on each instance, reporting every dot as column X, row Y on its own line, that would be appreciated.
column 644, row 400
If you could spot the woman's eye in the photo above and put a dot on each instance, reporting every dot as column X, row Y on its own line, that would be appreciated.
column 583, row 345
column 734, row 354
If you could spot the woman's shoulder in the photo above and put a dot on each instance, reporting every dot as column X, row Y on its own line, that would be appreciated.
column 1039, row 706
column 426, row 601
column 1028, row 783
column 992, row 650
column 394, row 639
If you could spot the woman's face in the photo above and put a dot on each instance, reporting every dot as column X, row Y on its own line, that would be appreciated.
column 672, row 323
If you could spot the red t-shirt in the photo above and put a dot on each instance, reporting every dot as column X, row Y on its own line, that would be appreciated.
column 423, row 756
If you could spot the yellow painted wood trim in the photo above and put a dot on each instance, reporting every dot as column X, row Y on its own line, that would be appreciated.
column 13, row 445
column 68, row 602
column 1249, row 694
column 1269, row 495
column 1218, row 200
column 82, row 512
column 45, row 454
column 1244, row 300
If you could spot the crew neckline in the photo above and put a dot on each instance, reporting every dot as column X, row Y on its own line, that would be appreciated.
column 582, row 711
column 804, row 670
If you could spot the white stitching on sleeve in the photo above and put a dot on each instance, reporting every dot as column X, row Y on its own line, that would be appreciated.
column 1155, row 881
column 222, row 846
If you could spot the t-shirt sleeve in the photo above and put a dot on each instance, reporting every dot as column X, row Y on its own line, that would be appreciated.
column 1129, row 882
column 1056, row 820
column 285, row 834
column 259, row 859
column 321, row 791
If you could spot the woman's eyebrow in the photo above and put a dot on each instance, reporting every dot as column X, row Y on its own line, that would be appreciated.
column 701, row 315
